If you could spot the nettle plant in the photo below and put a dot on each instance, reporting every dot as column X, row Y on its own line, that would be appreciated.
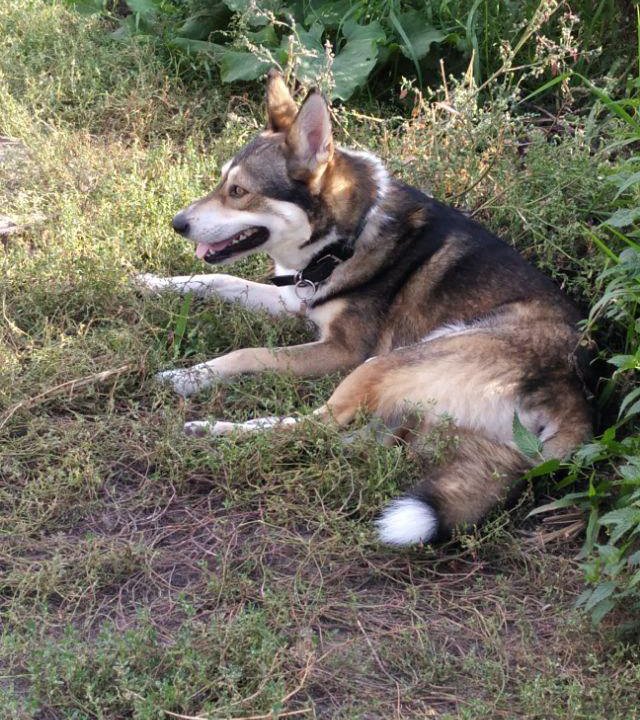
column 345, row 45
column 609, row 467
column 611, row 464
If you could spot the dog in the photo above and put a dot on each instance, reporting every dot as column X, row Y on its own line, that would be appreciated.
column 432, row 315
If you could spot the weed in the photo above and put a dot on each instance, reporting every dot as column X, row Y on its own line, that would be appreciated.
column 349, row 43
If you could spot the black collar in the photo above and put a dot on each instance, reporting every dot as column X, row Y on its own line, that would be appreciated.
column 320, row 267
column 326, row 261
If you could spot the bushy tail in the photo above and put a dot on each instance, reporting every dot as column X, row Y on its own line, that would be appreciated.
column 479, row 474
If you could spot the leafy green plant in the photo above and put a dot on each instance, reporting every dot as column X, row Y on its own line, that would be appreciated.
column 610, row 465
column 345, row 45
column 612, row 462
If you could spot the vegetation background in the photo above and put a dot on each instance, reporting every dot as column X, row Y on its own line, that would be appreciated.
column 144, row 575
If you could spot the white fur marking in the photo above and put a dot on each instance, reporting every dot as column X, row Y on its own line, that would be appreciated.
column 257, row 296
column 376, row 216
column 323, row 315
column 406, row 521
column 222, row 427
column 381, row 174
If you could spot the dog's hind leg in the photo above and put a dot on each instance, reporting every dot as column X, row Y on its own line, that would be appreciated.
column 200, row 428
column 257, row 296
column 357, row 392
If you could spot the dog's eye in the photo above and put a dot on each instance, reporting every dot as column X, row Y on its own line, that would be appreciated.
column 235, row 191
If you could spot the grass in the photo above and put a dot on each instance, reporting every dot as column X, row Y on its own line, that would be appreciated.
column 144, row 573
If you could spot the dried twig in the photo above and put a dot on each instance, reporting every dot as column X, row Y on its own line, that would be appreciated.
column 70, row 385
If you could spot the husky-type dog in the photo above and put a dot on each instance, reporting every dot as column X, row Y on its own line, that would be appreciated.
column 433, row 315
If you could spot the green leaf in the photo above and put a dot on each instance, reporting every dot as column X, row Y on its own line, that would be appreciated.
column 623, row 217
column 601, row 609
column 191, row 45
column 601, row 592
column 612, row 105
column 625, row 362
column 525, row 440
column 630, row 405
column 247, row 9
column 181, row 324
column 406, row 44
column 309, row 66
column 144, row 8
column 545, row 468
column 591, row 534
column 546, row 86
column 623, row 181
column 420, row 34
column 566, row 501
column 357, row 58
column 265, row 36
column 202, row 24
column 236, row 65
column 329, row 13
column 630, row 471
column 620, row 521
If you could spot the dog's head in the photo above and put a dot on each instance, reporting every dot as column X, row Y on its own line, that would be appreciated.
column 267, row 192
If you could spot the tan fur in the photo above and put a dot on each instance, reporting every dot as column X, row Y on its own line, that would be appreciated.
column 451, row 377
column 438, row 317
column 281, row 108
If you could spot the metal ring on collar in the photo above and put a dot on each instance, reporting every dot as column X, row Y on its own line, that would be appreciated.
column 302, row 283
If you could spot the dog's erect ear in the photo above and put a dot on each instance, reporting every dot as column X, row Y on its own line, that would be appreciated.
column 309, row 139
column 281, row 109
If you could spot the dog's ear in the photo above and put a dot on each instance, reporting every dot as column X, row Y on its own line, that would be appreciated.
column 310, row 140
column 281, row 109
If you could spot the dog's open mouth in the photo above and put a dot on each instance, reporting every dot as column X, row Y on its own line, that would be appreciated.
column 240, row 242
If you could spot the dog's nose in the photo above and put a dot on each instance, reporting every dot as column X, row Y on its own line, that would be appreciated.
column 180, row 224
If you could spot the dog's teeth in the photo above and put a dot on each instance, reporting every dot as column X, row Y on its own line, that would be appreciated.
column 242, row 235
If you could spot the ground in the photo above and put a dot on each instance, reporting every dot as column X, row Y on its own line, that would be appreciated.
column 149, row 575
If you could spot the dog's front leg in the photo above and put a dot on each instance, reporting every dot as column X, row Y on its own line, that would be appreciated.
column 257, row 296
column 316, row 358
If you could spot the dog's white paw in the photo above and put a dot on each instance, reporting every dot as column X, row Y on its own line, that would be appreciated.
column 200, row 428
column 149, row 284
column 222, row 427
column 185, row 382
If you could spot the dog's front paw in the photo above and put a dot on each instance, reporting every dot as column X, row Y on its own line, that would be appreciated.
column 149, row 284
column 185, row 382
column 201, row 428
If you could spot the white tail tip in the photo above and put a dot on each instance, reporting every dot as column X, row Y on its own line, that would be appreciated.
column 406, row 521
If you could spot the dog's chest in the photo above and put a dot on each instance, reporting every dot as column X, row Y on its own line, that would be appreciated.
column 327, row 316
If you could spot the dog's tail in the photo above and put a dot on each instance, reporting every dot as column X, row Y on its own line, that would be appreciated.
column 479, row 474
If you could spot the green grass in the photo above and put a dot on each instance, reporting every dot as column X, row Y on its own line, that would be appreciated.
column 145, row 573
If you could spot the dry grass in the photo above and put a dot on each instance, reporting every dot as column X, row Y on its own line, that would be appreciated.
column 147, row 575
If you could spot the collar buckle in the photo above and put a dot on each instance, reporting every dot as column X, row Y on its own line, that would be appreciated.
column 302, row 284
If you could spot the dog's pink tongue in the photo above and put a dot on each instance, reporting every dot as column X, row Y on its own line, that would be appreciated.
column 202, row 250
